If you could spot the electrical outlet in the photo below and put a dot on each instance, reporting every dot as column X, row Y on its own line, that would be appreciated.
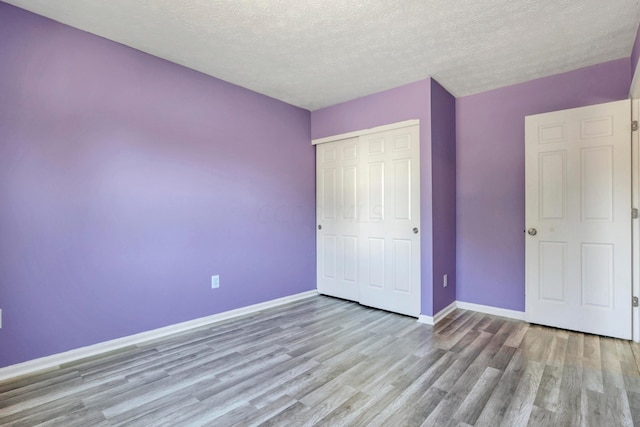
column 215, row 282
column 444, row 281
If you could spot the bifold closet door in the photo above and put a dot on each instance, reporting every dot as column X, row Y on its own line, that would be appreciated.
column 368, row 219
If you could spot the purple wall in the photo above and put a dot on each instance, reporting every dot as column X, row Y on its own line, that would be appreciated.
column 406, row 102
column 127, row 181
column 443, row 152
column 490, row 174
column 411, row 101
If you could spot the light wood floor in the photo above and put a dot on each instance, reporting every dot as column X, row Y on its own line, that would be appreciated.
column 323, row 361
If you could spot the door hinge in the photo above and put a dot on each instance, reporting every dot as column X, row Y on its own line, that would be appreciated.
column 634, row 126
column 634, row 301
column 634, row 213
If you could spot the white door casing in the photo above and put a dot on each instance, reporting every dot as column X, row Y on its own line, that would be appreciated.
column 635, row 203
column 368, row 205
column 578, row 219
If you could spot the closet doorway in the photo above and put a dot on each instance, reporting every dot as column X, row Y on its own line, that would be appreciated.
column 368, row 217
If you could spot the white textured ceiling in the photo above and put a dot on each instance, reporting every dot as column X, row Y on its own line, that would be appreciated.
column 315, row 53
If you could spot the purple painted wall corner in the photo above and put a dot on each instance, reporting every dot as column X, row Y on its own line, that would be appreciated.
column 411, row 101
column 390, row 106
column 126, row 181
column 490, row 174
column 443, row 149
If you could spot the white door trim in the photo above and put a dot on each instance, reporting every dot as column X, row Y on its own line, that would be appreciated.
column 383, row 128
column 635, row 226
column 634, row 90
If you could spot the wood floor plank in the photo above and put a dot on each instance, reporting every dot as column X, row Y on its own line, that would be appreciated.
column 346, row 412
column 522, row 401
column 496, row 406
column 548, row 394
column 517, row 334
column 611, row 369
column 541, row 417
column 415, row 390
column 266, row 412
column 329, row 362
column 312, row 415
column 371, row 412
column 472, row 406
column 415, row 413
column 634, row 406
column 282, row 417
column 570, row 411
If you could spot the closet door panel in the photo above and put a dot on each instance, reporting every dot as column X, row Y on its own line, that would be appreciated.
column 391, row 193
column 337, row 218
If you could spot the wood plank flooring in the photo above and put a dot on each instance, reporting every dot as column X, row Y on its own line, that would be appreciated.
column 328, row 362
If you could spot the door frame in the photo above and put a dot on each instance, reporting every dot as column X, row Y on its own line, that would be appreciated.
column 634, row 96
column 357, row 133
column 635, row 225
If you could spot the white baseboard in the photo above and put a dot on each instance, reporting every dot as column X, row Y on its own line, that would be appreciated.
column 432, row 320
column 444, row 312
column 503, row 312
column 54, row 360
column 427, row 320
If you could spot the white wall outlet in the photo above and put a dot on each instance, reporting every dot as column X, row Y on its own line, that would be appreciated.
column 444, row 281
column 215, row 282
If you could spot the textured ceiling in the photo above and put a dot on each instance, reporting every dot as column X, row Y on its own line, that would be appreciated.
column 315, row 53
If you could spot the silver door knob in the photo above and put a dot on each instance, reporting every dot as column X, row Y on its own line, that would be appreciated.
column 532, row 231
column 415, row 230
column 319, row 227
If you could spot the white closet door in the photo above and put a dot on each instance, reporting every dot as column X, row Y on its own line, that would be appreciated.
column 368, row 217
column 578, row 218
column 337, row 213
column 390, row 221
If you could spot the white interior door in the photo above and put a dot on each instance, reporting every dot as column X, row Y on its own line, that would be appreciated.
column 578, row 219
column 390, row 239
column 337, row 217
column 368, row 217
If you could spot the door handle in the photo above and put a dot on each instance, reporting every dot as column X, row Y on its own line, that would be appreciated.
column 532, row 231
column 415, row 230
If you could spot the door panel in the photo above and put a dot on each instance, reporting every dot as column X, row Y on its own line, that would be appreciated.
column 402, row 189
column 349, row 192
column 402, row 256
column 597, row 184
column 330, row 256
column 337, row 210
column 578, row 199
column 375, row 185
column 553, row 184
column 597, row 275
column 376, row 261
column 393, row 210
column 553, row 270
